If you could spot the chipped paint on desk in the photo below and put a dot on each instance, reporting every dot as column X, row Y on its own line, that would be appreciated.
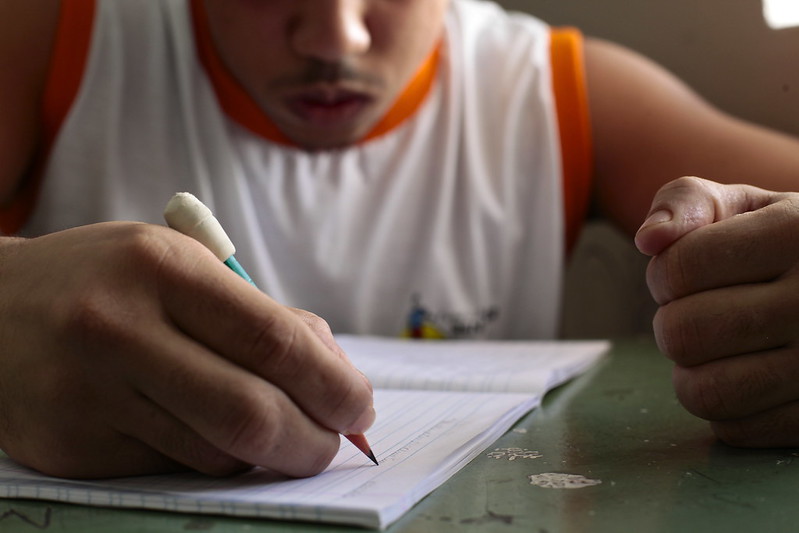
column 556, row 480
column 511, row 454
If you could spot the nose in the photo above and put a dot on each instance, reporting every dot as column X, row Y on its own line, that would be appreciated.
column 331, row 30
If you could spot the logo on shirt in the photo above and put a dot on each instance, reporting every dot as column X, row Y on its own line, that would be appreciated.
column 422, row 323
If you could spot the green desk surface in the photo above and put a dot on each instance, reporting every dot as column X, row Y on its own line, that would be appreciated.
column 661, row 470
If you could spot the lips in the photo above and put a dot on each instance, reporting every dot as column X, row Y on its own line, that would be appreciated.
column 328, row 106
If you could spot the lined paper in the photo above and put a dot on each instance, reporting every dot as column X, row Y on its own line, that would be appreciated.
column 480, row 366
column 421, row 438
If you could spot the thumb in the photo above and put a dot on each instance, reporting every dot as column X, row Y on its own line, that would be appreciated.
column 688, row 203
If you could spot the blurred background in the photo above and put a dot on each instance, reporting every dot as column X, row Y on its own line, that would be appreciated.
column 727, row 51
column 724, row 49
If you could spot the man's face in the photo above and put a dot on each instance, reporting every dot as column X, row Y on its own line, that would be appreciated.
column 325, row 71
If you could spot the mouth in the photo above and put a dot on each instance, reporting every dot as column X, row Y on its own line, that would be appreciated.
column 328, row 106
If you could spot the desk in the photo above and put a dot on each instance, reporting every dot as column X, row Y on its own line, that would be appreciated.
column 661, row 470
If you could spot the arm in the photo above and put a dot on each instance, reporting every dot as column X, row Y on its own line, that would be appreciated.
column 649, row 129
column 27, row 30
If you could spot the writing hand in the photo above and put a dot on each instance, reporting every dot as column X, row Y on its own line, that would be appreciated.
column 130, row 349
column 725, row 273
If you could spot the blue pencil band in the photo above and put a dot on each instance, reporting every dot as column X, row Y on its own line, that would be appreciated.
column 236, row 267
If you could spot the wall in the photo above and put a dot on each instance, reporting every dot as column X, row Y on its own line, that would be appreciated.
column 722, row 48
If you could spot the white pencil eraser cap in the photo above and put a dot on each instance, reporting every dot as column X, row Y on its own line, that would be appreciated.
column 188, row 215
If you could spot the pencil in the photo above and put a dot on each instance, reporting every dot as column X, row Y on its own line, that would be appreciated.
column 188, row 215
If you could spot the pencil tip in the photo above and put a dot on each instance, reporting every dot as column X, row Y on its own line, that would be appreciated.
column 362, row 444
column 371, row 455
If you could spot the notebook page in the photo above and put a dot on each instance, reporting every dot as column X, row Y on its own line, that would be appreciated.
column 421, row 438
column 486, row 366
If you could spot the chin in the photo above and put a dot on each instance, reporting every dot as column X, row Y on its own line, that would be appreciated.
column 332, row 141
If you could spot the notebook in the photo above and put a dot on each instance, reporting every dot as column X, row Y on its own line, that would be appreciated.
column 439, row 405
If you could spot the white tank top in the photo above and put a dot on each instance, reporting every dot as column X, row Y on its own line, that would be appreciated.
column 449, row 224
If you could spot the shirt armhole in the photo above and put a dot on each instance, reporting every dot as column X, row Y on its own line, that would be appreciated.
column 67, row 65
column 571, row 103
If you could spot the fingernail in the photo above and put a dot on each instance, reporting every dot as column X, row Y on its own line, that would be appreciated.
column 658, row 217
column 363, row 423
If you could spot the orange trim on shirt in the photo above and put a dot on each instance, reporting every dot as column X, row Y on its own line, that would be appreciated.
column 67, row 64
column 233, row 98
column 571, row 103
column 241, row 107
column 410, row 99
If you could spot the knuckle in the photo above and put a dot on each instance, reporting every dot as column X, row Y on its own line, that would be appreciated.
column 194, row 451
column 661, row 292
column 766, row 380
column 318, row 325
column 669, row 274
column 253, row 428
column 256, row 435
column 139, row 241
column 273, row 346
column 86, row 313
column 95, row 325
column 100, row 310
column 143, row 247
column 688, row 184
column 307, row 316
column 675, row 333
column 156, row 255
column 743, row 322
column 704, row 393
column 321, row 328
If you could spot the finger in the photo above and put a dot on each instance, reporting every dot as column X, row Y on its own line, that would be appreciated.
column 748, row 248
column 688, row 203
column 117, row 456
column 172, row 444
column 739, row 387
column 726, row 322
column 82, row 439
column 232, row 409
column 776, row 428
column 85, row 447
column 250, row 329
column 322, row 330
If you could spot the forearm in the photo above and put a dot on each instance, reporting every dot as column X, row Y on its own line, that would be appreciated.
column 649, row 128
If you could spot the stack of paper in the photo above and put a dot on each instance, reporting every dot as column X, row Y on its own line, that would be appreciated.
column 439, row 405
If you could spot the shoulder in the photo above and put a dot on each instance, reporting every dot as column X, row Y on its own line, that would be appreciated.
column 27, row 32
column 28, row 26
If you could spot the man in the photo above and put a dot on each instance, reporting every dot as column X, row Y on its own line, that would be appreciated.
column 372, row 160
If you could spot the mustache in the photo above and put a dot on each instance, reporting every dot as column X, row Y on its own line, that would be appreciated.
column 317, row 72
